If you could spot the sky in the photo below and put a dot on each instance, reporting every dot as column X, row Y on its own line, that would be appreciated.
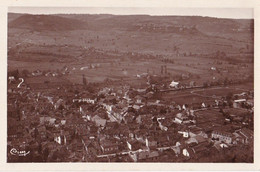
column 237, row 13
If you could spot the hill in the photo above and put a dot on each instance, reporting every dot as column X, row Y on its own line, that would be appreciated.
column 121, row 46
column 206, row 25
column 13, row 16
column 46, row 23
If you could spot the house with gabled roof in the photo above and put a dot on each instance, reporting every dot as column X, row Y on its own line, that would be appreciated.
column 244, row 136
column 109, row 146
column 222, row 136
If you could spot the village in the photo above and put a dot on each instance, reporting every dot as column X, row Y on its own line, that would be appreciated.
column 129, row 88
column 126, row 123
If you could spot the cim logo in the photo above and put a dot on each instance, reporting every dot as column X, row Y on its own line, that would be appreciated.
column 14, row 151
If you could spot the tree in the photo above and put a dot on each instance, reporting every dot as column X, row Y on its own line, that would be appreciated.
column 40, row 148
column 14, row 73
column 223, row 54
column 84, row 80
column 229, row 96
column 161, row 69
column 25, row 72
column 45, row 154
column 218, row 53
column 226, row 81
column 205, row 84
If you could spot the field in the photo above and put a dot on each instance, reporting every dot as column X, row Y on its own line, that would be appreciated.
column 205, row 95
column 119, row 50
column 218, row 92
column 237, row 112
column 245, row 86
column 181, row 98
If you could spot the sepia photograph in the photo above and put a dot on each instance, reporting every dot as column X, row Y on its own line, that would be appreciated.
column 130, row 85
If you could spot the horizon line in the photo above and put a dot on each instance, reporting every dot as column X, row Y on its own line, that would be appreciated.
column 226, row 13
column 158, row 15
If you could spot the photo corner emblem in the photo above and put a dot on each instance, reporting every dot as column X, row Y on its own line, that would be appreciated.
column 16, row 152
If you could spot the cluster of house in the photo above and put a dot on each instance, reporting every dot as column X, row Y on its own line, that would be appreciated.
column 114, row 124
column 63, row 71
column 90, row 66
column 163, row 28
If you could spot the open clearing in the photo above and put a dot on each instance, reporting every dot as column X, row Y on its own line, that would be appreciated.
column 209, row 119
